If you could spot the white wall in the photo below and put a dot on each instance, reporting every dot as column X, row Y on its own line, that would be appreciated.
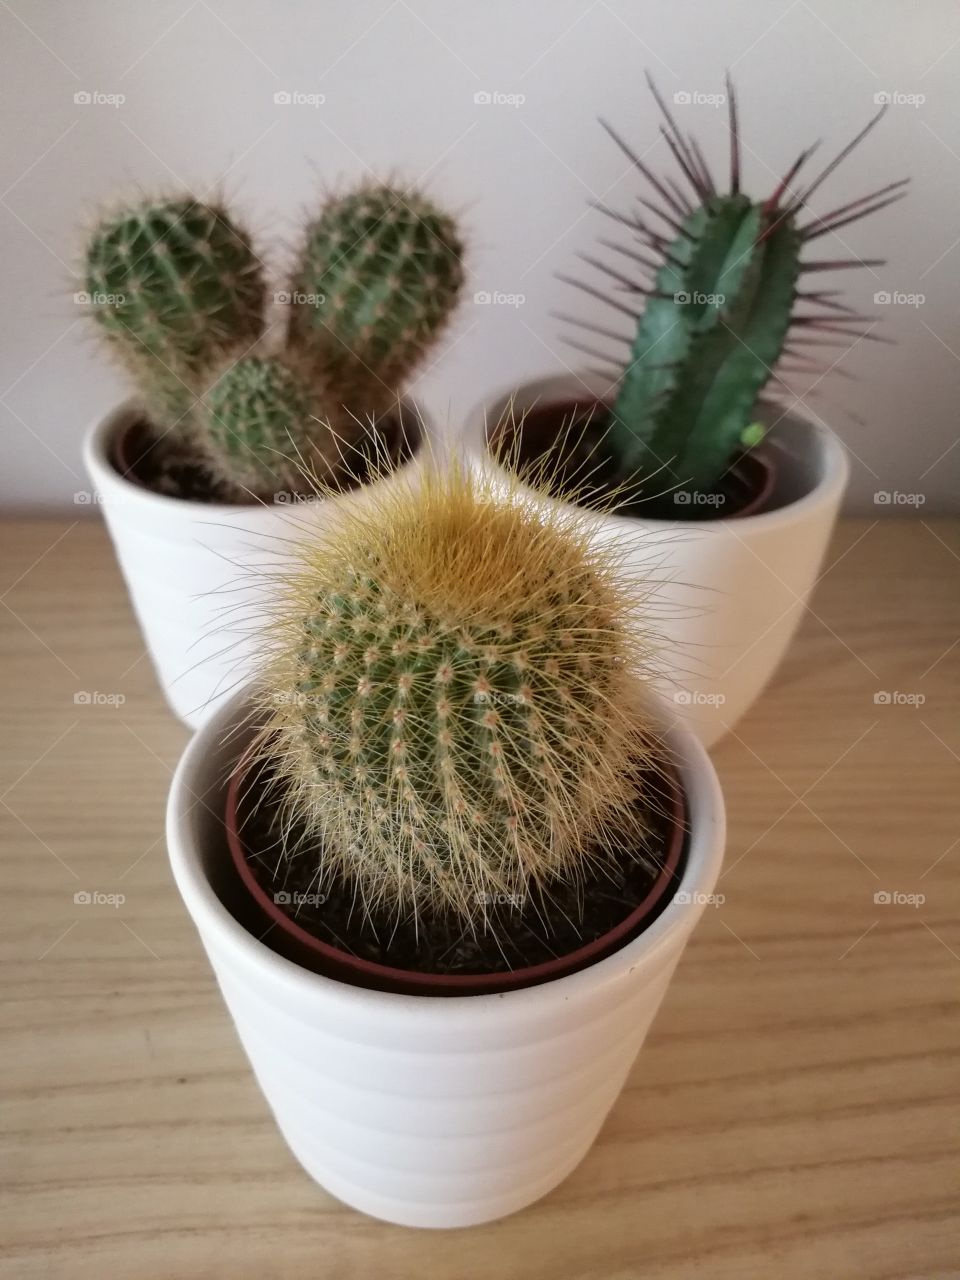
column 399, row 78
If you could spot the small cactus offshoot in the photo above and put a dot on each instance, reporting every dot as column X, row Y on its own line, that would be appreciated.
column 378, row 277
column 455, row 709
column 719, row 275
column 267, row 426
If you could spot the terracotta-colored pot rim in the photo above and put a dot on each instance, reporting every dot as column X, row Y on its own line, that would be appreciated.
column 759, row 460
column 368, row 973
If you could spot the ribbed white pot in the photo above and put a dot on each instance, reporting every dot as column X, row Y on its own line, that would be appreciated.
column 199, row 575
column 423, row 1110
column 730, row 593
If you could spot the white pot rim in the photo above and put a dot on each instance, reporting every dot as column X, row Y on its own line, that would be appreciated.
column 705, row 854
column 99, row 463
column 834, row 469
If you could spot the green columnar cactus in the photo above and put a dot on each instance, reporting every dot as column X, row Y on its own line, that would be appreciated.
column 267, row 427
column 721, row 306
column 454, row 707
column 174, row 283
column 378, row 277
column 709, row 336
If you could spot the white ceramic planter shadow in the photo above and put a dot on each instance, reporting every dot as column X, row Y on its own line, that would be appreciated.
column 199, row 575
column 730, row 593
column 422, row 1110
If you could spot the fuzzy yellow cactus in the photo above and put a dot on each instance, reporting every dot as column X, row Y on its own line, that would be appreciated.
column 456, row 707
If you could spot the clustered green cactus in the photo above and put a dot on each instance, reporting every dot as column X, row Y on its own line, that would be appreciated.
column 454, row 709
column 721, row 306
column 179, row 293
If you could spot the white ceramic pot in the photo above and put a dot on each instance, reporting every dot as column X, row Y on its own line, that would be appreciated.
column 729, row 593
column 423, row 1110
column 199, row 575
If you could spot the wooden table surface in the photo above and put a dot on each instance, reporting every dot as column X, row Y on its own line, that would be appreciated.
column 794, row 1112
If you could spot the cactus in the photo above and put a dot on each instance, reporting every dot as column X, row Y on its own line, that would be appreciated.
column 179, row 293
column 175, row 284
column 267, row 427
column 454, row 709
column 719, row 312
column 378, row 277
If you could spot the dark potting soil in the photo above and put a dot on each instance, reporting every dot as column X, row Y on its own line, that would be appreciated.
column 151, row 461
column 560, row 446
column 553, row 921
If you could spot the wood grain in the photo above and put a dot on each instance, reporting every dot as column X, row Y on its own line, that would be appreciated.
column 794, row 1113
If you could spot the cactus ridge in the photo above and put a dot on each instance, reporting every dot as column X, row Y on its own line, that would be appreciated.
column 454, row 707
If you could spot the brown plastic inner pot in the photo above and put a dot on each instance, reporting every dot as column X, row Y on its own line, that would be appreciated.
column 277, row 930
column 525, row 446
column 138, row 455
